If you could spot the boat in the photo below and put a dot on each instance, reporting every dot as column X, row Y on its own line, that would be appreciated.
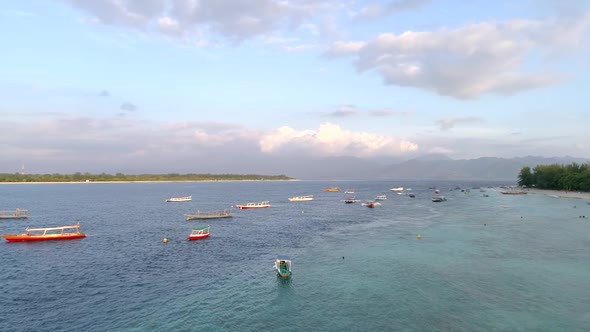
column 380, row 197
column 16, row 214
column 437, row 199
column 349, row 191
column 47, row 234
column 411, row 195
column 199, row 233
column 283, row 266
column 332, row 190
column 255, row 205
column 371, row 204
column 180, row 199
column 306, row 198
column 397, row 189
column 209, row 215
column 350, row 200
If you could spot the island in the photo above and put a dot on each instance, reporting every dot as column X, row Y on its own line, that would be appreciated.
column 120, row 177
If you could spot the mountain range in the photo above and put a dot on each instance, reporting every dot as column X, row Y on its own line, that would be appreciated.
column 429, row 167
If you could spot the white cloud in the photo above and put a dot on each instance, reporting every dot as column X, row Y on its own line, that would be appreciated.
column 331, row 140
column 376, row 10
column 234, row 20
column 169, row 26
column 449, row 123
column 466, row 62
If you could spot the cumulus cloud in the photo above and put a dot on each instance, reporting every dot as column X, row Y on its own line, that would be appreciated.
column 468, row 61
column 449, row 123
column 235, row 20
column 331, row 140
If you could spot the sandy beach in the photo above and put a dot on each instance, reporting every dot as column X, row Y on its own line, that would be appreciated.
column 560, row 194
column 179, row 181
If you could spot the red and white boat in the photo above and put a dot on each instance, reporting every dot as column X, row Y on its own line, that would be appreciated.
column 256, row 205
column 47, row 234
column 199, row 233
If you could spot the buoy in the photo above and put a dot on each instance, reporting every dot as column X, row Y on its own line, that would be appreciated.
column 165, row 240
column 419, row 237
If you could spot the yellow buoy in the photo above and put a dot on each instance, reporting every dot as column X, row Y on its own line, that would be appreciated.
column 419, row 236
column 165, row 240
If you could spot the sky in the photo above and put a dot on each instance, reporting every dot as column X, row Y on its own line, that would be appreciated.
column 217, row 86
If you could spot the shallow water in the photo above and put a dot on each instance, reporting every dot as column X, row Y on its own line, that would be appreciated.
column 501, row 263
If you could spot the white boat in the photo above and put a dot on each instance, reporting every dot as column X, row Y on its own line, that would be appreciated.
column 180, row 199
column 283, row 266
column 306, row 198
column 437, row 199
column 397, row 189
column 255, row 205
column 370, row 204
column 349, row 191
column 380, row 198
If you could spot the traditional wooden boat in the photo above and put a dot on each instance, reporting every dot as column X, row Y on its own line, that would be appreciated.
column 350, row 200
column 47, row 234
column 306, row 198
column 209, row 215
column 438, row 199
column 17, row 214
column 283, row 266
column 256, row 205
column 371, row 204
column 180, row 199
column 332, row 190
column 199, row 233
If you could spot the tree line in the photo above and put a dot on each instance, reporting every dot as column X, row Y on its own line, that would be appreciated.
column 572, row 177
column 104, row 177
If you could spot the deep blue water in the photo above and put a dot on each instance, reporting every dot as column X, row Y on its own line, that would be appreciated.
column 498, row 263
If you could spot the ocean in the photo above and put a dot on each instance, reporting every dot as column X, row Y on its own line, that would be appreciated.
column 497, row 263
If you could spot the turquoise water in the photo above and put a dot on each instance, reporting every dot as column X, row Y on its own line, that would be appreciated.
column 498, row 263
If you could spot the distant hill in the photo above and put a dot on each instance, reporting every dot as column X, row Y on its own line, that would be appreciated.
column 428, row 167
column 485, row 168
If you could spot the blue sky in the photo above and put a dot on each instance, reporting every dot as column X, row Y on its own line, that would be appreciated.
column 217, row 85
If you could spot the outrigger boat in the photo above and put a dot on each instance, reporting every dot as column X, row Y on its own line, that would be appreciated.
column 209, row 215
column 257, row 205
column 283, row 266
column 180, row 199
column 199, row 233
column 17, row 214
column 371, row 204
column 301, row 198
column 438, row 199
column 350, row 200
column 47, row 234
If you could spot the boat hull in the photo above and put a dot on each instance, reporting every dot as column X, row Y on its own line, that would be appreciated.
column 39, row 238
column 202, row 217
column 14, row 217
column 241, row 207
column 197, row 237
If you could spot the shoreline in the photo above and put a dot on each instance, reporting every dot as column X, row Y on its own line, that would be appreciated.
column 151, row 181
column 560, row 193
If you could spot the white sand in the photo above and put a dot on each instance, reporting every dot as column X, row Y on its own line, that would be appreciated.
column 561, row 194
